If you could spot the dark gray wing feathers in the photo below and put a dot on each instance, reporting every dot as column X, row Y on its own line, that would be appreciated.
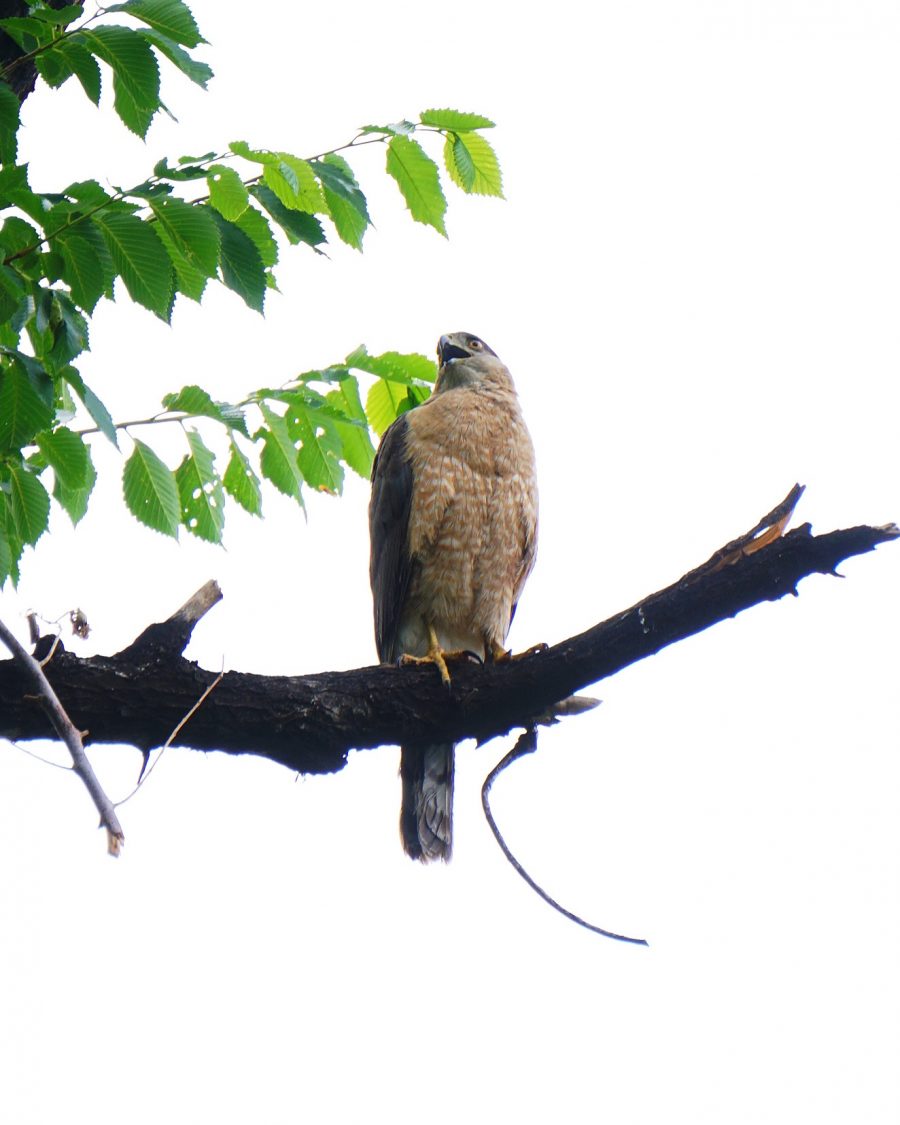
column 390, row 566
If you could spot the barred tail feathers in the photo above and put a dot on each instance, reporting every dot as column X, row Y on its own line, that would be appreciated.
column 426, row 811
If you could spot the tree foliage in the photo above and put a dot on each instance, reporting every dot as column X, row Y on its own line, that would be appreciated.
column 221, row 217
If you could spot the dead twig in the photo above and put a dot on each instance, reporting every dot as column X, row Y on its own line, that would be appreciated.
column 70, row 735
column 527, row 744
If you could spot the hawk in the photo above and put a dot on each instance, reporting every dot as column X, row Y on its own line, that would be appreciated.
column 453, row 525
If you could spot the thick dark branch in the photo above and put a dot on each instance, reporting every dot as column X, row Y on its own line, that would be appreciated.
column 310, row 723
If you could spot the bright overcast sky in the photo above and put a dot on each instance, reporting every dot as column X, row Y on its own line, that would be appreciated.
column 695, row 281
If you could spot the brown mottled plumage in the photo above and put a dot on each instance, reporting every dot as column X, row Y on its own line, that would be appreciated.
column 453, row 522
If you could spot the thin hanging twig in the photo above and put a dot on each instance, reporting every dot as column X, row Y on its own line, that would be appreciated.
column 527, row 744
column 70, row 735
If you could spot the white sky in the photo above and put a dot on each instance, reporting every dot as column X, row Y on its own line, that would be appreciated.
column 695, row 283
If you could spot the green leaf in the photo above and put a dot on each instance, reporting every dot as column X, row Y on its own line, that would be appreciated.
column 385, row 402
column 25, row 406
column 69, row 331
column 9, row 124
column 359, row 453
column 454, row 120
column 256, row 226
column 66, row 453
column 298, row 226
column 192, row 68
column 93, row 405
column 320, row 448
column 59, row 17
column 12, row 289
column 346, row 203
column 473, row 164
column 227, row 191
column 140, row 258
column 135, row 73
column 278, row 459
column 191, row 230
column 150, row 491
column 200, row 491
column 397, row 367
column 241, row 265
column 417, row 177
column 195, row 400
column 29, row 504
column 294, row 182
column 241, row 482
column 83, row 271
column 11, row 546
column 257, row 155
column 68, row 57
column 172, row 17
column 74, row 501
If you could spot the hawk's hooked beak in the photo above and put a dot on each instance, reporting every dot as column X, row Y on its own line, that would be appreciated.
column 447, row 350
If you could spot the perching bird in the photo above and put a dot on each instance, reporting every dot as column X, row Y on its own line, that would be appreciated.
column 453, row 524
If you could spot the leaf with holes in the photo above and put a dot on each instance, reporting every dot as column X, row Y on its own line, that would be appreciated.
column 241, row 482
column 151, row 493
column 278, row 459
column 227, row 191
column 200, row 491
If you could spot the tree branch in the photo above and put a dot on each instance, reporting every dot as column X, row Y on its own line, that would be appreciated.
column 310, row 723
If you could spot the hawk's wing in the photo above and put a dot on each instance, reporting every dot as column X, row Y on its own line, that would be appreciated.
column 390, row 566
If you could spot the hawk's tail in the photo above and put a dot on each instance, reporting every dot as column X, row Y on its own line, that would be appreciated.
column 426, row 812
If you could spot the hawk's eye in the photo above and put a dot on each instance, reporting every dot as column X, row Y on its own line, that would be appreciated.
column 475, row 344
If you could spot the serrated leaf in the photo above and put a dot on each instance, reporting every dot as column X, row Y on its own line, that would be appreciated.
column 11, row 292
column 67, row 455
column 74, row 501
column 190, row 67
column 385, row 402
column 227, row 191
column 83, row 270
column 241, row 482
column 397, row 367
column 346, row 203
column 135, row 73
column 298, row 226
column 25, row 408
column 140, row 258
column 59, row 17
column 172, row 17
column 473, row 165
column 419, row 182
column 151, row 493
column 256, row 226
column 455, row 120
column 294, row 182
column 92, row 404
column 195, row 400
column 29, row 504
column 11, row 546
column 241, row 265
column 257, row 155
column 9, row 124
column 278, row 459
column 200, row 491
column 69, row 332
column 71, row 57
column 192, row 231
column 359, row 453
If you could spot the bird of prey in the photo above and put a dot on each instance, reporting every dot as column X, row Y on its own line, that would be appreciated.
column 453, row 525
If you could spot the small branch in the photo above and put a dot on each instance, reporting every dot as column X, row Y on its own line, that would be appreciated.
column 66, row 730
column 527, row 744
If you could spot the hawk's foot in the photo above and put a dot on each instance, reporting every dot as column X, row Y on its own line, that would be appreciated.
column 498, row 653
column 438, row 656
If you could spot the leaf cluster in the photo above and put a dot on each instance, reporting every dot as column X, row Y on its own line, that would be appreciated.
column 222, row 217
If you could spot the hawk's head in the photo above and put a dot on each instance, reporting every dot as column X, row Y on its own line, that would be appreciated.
column 461, row 359
column 460, row 345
